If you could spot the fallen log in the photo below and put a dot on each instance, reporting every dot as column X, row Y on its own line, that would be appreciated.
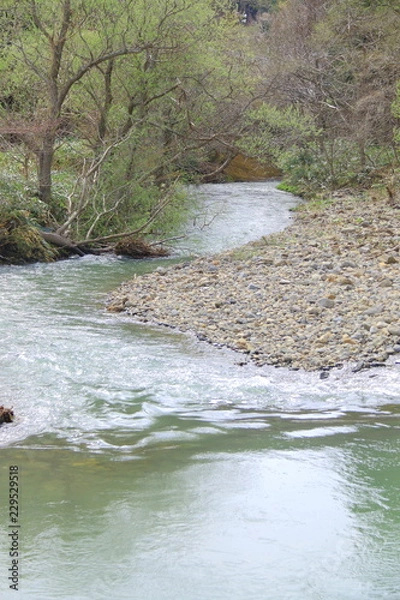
column 59, row 240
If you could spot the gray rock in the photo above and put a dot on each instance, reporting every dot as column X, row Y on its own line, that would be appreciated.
column 313, row 311
column 386, row 283
column 394, row 330
column 326, row 303
column 390, row 259
column 374, row 310
column 359, row 366
column 348, row 264
column 284, row 315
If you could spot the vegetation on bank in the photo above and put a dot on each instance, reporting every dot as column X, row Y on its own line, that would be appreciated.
column 107, row 108
column 330, row 118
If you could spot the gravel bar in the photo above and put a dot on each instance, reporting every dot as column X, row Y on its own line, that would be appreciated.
column 322, row 293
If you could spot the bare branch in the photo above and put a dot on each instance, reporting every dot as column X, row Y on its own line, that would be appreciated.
column 116, row 236
column 38, row 23
column 107, row 56
column 85, row 178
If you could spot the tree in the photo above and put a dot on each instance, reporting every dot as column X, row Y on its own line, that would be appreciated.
column 59, row 45
column 336, row 62
column 130, row 90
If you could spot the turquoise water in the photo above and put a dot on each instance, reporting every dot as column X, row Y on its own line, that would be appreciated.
column 154, row 467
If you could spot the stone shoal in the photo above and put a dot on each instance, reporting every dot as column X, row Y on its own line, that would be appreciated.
column 324, row 292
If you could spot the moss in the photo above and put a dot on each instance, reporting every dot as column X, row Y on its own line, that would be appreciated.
column 287, row 187
column 20, row 240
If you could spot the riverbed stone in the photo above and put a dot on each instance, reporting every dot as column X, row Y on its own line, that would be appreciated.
column 389, row 259
column 374, row 310
column 394, row 330
column 386, row 283
column 326, row 302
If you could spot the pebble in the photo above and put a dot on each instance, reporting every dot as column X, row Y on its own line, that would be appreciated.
column 326, row 303
column 292, row 301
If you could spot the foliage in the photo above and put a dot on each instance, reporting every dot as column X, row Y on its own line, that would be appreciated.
column 330, row 107
column 18, row 195
column 272, row 130
column 290, row 139
column 109, row 97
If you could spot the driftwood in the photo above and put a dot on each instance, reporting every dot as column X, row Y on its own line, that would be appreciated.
column 138, row 248
column 6, row 415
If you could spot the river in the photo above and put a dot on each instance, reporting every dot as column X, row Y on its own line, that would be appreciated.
column 153, row 467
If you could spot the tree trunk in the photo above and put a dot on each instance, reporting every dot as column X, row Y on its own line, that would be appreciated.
column 45, row 163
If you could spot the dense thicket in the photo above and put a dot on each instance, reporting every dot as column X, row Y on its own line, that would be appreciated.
column 104, row 104
column 331, row 110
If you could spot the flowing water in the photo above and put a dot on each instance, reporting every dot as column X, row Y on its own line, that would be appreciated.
column 154, row 467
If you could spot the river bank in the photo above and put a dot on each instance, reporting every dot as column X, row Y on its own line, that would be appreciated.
column 322, row 293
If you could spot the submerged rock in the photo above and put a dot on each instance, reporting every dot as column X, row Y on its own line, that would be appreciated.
column 6, row 415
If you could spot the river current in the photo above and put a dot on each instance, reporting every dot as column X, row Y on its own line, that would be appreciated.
column 154, row 467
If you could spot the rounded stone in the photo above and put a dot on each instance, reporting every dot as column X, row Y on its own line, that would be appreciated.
column 326, row 302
